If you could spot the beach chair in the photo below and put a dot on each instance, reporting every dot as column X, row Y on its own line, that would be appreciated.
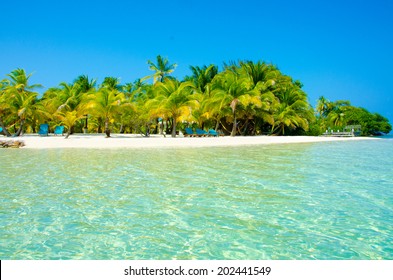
column 212, row 132
column 189, row 132
column 44, row 129
column 59, row 130
column 201, row 132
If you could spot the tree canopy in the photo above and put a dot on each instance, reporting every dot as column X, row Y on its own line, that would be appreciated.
column 338, row 114
column 244, row 98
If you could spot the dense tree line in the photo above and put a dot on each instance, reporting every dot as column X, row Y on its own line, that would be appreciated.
column 245, row 98
column 335, row 115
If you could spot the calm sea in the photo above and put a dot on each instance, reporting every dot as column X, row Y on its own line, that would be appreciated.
column 298, row 201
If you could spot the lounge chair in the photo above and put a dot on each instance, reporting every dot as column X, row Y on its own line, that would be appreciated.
column 44, row 129
column 212, row 132
column 59, row 130
column 189, row 132
column 201, row 132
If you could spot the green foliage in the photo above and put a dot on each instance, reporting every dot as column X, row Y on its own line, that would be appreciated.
column 372, row 124
column 173, row 101
column 85, row 84
column 338, row 114
column 316, row 127
column 162, row 68
column 18, row 102
column 202, row 76
column 111, row 83
column 245, row 98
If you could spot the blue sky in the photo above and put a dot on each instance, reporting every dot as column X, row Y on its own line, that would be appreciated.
column 339, row 49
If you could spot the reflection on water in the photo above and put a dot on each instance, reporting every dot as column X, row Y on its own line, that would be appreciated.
column 304, row 201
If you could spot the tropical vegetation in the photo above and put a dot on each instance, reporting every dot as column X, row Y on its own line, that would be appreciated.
column 335, row 115
column 244, row 98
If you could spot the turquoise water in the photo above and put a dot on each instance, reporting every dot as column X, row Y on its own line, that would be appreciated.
column 298, row 201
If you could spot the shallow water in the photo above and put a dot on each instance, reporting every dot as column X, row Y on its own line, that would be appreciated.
column 298, row 201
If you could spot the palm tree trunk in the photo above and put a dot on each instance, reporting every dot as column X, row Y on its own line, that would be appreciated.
column 217, row 125
column 68, row 132
column 20, row 129
column 254, row 128
column 169, row 125
column 161, row 124
column 245, row 127
column 99, row 129
column 107, row 130
column 273, row 127
column 233, row 133
column 174, row 127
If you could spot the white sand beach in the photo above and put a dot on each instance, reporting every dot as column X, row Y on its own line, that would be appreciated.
column 154, row 141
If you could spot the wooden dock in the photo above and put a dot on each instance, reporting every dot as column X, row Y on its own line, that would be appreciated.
column 349, row 131
column 339, row 134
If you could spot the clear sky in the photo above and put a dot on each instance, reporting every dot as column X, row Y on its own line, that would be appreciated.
column 339, row 49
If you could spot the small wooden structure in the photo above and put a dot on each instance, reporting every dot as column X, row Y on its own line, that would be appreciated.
column 349, row 131
column 356, row 130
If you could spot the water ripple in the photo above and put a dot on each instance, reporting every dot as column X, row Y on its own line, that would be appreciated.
column 306, row 201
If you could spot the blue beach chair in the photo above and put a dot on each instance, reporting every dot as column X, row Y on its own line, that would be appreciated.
column 212, row 132
column 189, row 132
column 44, row 130
column 59, row 130
column 201, row 132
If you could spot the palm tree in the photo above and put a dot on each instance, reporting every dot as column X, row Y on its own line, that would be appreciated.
column 336, row 117
column 257, row 113
column 323, row 106
column 336, row 112
column 19, row 96
column 201, row 77
column 138, row 94
column 135, row 90
column 173, row 100
column 20, row 81
column 43, row 113
column 111, row 83
column 24, row 105
column 66, row 97
column 293, row 110
column 69, row 119
column 263, row 78
column 231, row 90
column 104, row 103
column 201, row 111
column 85, row 84
column 262, row 75
column 162, row 68
column 4, row 109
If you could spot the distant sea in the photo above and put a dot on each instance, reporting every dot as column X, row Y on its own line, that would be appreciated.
column 295, row 201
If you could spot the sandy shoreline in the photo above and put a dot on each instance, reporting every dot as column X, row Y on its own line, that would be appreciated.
column 136, row 141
